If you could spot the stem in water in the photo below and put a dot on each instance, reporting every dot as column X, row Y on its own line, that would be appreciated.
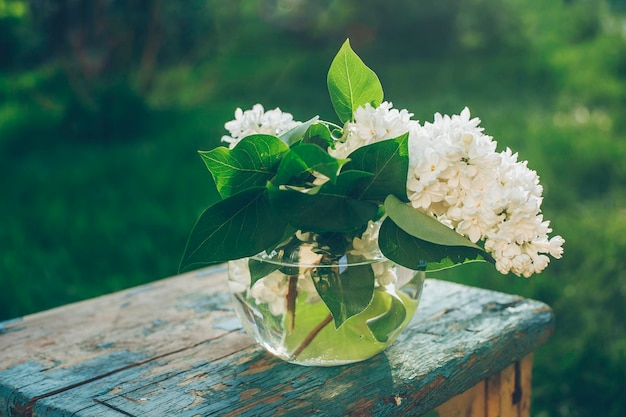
column 307, row 341
column 292, row 295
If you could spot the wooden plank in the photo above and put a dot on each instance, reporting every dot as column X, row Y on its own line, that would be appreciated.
column 500, row 392
column 60, row 348
column 471, row 403
column 89, row 399
column 453, row 343
column 176, row 348
column 508, row 392
column 526, row 369
column 505, row 394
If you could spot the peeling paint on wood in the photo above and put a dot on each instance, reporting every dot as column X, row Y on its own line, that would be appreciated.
column 13, row 325
column 175, row 347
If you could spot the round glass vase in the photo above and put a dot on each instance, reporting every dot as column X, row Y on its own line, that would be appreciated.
column 309, row 305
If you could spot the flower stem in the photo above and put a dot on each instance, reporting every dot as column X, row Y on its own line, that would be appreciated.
column 292, row 295
column 307, row 341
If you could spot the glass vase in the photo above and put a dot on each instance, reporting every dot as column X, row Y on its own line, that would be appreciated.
column 323, row 299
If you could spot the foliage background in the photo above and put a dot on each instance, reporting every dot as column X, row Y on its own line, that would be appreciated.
column 103, row 105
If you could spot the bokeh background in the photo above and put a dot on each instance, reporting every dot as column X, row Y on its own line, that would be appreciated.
column 104, row 103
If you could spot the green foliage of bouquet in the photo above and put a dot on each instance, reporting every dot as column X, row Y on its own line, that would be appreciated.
column 432, row 196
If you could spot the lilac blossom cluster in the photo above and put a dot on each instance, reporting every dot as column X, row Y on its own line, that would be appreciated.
column 456, row 175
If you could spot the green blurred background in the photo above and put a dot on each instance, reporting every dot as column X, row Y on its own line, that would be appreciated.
column 104, row 103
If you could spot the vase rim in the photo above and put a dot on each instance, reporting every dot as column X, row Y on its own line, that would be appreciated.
column 343, row 261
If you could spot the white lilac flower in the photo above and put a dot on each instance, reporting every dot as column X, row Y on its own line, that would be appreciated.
column 366, row 245
column 555, row 247
column 272, row 289
column 424, row 196
column 320, row 179
column 239, row 275
column 257, row 120
column 456, row 175
column 305, row 285
column 384, row 273
column 372, row 125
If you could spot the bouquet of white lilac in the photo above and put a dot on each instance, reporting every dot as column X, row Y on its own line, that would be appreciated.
column 427, row 196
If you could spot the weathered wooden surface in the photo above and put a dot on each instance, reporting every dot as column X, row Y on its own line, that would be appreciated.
column 505, row 394
column 175, row 347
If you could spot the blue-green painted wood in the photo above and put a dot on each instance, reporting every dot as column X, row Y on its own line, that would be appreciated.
column 11, row 325
column 471, row 334
column 108, row 335
column 21, row 383
column 459, row 336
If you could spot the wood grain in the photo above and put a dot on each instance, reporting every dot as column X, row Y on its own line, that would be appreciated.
column 175, row 347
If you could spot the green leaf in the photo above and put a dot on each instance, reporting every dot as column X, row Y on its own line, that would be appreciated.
column 423, row 226
column 347, row 180
column 388, row 161
column 345, row 293
column 236, row 227
column 306, row 158
column 260, row 269
column 295, row 134
column 351, row 83
column 417, row 254
column 288, row 233
column 385, row 325
column 251, row 163
column 318, row 134
column 321, row 212
column 284, row 257
column 292, row 170
column 317, row 159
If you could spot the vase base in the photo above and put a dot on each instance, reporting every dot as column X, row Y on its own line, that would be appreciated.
column 324, row 362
